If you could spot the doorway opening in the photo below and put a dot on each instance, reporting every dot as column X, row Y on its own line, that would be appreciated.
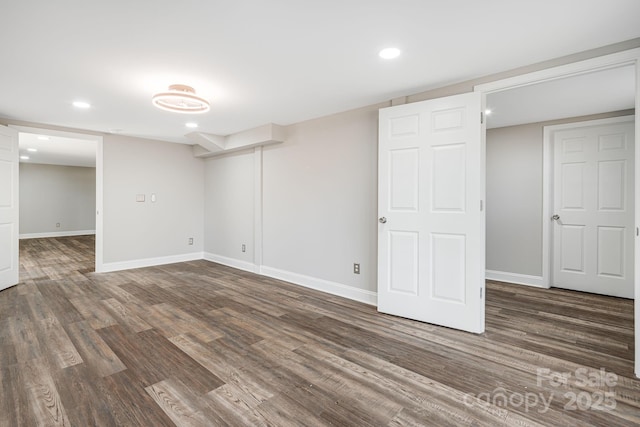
column 61, row 187
column 514, row 88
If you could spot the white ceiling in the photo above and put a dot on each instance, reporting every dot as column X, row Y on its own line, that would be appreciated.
column 592, row 93
column 56, row 150
column 280, row 61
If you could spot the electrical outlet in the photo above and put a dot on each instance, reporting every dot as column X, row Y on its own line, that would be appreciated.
column 191, row 240
column 356, row 268
column 57, row 225
column 244, row 248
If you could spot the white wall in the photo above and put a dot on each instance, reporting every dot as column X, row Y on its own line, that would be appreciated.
column 148, row 233
column 51, row 195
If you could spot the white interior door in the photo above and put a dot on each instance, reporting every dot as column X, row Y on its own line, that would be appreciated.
column 593, row 205
column 431, row 263
column 8, row 207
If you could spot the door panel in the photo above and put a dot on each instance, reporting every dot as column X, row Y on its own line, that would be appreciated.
column 594, row 199
column 431, row 231
column 405, row 183
column 449, row 178
column 404, row 269
column 8, row 207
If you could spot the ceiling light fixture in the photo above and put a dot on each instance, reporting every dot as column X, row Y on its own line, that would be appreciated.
column 32, row 150
column 191, row 125
column 487, row 111
column 24, row 157
column 180, row 99
column 389, row 53
column 43, row 138
column 81, row 104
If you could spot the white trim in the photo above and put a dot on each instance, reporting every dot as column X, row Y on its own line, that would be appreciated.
column 520, row 279
column 614, row 60
column 231, row 262
column 99, row 267
column 547, row 204
column 636, row 266
column 150, row 262
column 257, row 207
column 56, row 234
column 333, row 288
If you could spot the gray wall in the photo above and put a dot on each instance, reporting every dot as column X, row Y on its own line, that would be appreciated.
column 52, row 194
column 514, row 199
column 319, row 195
column 135, row 230
column 229, row 206
column 320, row 199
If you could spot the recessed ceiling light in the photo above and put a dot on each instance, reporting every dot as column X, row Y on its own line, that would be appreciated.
column 24, row 157
column 180, row 99
column 81, row 104
column 487, row 111
column 32, row 150
column 43, row 138
column 389, row 53
column 191, row 125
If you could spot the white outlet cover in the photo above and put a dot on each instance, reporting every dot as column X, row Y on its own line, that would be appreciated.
column 139, row 197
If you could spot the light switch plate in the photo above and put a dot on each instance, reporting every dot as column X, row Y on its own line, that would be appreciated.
column 153, row 197
column 139, row 197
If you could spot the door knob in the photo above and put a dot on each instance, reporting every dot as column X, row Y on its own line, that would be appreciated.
column 382, row 220
column 555, row 217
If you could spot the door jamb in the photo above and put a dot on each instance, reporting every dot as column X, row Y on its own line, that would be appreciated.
column 615, row 60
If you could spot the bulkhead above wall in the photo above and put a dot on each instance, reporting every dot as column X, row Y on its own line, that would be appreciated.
column 209, row 145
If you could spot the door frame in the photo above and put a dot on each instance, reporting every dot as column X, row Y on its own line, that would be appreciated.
column 614, row 60
column 548, row 184
column 99, row 179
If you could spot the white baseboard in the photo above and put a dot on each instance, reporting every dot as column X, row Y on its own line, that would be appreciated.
column 333, row 288
column 520, row 279
column 231, row 262
column 149, row 262
column 329, row 287
column 56, row 234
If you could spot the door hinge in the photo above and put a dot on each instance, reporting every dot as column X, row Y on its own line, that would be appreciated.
column 481, row 205
column 481, row 117
column 481, row 292
column 637, row 231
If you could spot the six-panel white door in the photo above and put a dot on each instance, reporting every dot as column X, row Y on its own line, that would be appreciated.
column 593, row 231
column 8, row 207
column 431, row 263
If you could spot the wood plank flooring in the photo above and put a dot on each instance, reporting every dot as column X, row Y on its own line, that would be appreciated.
column 199, row 344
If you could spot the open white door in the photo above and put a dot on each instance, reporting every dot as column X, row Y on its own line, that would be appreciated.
column 8, row 207
column 431, row 244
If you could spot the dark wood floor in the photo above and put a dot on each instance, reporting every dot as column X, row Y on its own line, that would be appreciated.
column 199, row 344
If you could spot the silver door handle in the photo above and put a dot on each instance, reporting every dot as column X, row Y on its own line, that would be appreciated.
column 555, row 217
column 382, row 220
